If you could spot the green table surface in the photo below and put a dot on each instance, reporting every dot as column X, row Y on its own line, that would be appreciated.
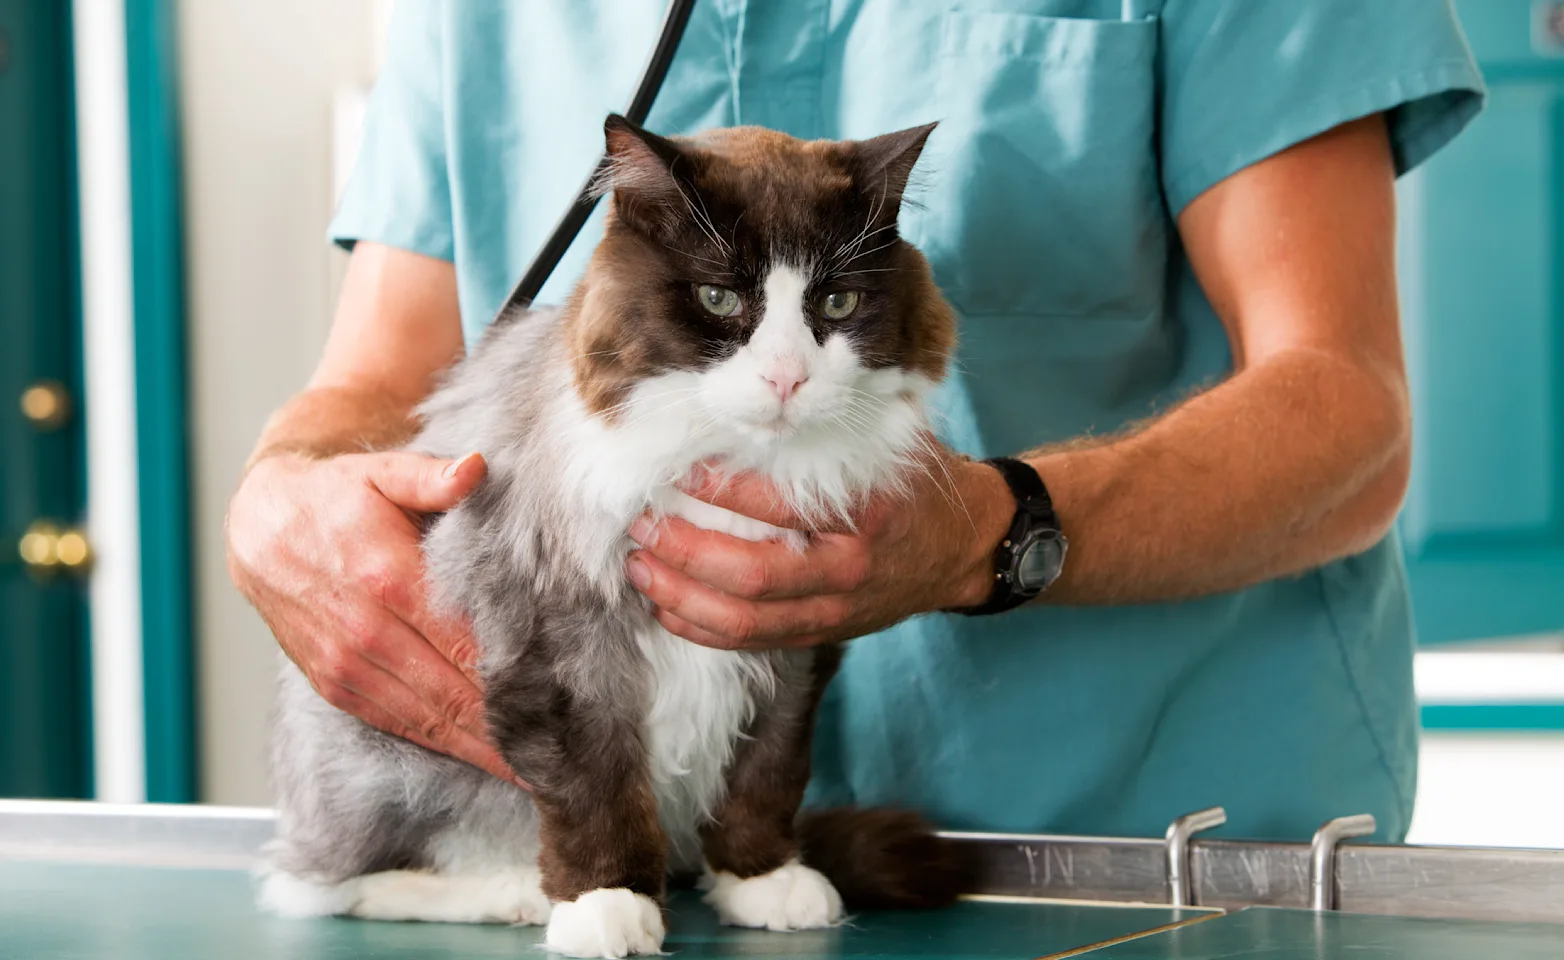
column 1302, row 935
column 60, row 911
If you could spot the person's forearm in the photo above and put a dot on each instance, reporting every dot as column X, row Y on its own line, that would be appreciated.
column 327, row 421
column 1290, row 464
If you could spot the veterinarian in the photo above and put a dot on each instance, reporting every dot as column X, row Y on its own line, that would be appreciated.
column 1168, row 228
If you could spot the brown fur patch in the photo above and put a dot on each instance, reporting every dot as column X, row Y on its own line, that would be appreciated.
column 601, row 841
column 876, row 858
column 582, row 755
column 931, row 322
column 752, row 832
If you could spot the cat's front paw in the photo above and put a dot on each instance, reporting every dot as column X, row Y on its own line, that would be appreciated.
column 606, row 923
column 791, row 897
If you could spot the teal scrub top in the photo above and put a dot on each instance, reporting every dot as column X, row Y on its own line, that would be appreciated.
column 1072, row 133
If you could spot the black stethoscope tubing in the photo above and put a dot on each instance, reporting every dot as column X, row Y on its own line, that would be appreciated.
column 675, row 19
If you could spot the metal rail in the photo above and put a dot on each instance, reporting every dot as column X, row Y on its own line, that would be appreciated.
column 1474, row 883
column 1459, row 882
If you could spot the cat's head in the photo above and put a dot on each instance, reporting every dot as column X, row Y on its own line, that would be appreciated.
column 756, row 286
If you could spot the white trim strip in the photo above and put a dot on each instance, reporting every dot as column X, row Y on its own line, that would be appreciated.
column 1489, row 677
column 108, row 322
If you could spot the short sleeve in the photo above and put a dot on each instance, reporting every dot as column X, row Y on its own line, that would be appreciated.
column 1241, row 81
column 399, row 191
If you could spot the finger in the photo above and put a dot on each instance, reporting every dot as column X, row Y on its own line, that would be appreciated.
column 739, row 622
column 425, row 484
column 680, row 627
column 449, row 634
column 416, row 719
column 393, row 577
column 755, row 570
column 745, row 494
column 452, row 638
column 398, row 650
column 462, row 746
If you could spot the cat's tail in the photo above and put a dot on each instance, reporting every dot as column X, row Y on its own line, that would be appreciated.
column 883, row 858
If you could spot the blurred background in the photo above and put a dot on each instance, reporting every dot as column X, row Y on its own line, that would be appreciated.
column 167, row 171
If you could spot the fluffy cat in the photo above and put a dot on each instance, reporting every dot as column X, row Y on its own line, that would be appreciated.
column 751, row 303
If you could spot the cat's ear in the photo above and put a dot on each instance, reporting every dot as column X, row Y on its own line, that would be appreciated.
column 643, row 173
column 882, row 166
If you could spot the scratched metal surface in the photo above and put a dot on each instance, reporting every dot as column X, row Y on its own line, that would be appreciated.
column 1453, row 882
column 1456, row 882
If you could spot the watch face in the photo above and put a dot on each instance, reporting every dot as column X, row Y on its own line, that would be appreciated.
column 1040, row 562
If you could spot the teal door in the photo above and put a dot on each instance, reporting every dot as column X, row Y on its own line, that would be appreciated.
column 1482, row 245
column 44, row 730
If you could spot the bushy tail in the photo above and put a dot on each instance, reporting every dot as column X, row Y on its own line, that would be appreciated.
column 880, row 858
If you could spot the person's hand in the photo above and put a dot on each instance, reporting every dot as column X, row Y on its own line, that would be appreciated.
column 328, row 552
column 903, row 554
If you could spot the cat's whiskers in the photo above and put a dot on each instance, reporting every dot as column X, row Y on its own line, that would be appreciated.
column 683, row 396
column 853, row 419
column 702, row 219
column 707, row 214
column 593, row 353
column 862, row 400
column 860, row 256
column 852, row 245
column 954, row 497
column 695, row 256
column 863, row 395
column 680, row 395
column 865, row 233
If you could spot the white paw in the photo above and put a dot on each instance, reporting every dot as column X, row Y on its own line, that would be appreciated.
column 517, row 897
column 606, row 923
column 504, row 896
column 289, row 896
column 791, row 897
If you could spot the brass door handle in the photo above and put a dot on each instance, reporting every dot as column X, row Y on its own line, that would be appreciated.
column 47, row 549
column 46, row 404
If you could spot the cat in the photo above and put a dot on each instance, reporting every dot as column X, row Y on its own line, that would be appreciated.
column 751, row 304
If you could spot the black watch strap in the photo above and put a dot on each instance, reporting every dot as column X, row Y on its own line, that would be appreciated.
column 1030, row 493
column 1034, row 510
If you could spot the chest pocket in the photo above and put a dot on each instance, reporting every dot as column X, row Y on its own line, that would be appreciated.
column 1044, row 196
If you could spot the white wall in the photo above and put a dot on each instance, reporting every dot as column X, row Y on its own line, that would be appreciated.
column 258, row 82
column 1490, row 790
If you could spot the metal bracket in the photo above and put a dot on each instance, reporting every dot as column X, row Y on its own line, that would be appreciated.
column 1322, row 857
column 1181, row 879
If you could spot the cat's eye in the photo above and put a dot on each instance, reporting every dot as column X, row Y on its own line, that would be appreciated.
column 839, row 305
column 719, row 301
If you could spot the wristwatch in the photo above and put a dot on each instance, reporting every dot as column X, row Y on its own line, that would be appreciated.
column 1031, row 556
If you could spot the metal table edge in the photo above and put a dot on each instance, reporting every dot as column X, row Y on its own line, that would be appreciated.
column 1453, row 882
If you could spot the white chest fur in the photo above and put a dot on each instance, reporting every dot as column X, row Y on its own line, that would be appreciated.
column 700, row 701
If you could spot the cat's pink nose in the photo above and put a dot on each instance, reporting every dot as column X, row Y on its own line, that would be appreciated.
column 785, row 381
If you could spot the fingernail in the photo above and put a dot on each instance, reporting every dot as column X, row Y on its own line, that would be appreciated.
column 455, row 466
column 638, row 572
column 644, row 531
